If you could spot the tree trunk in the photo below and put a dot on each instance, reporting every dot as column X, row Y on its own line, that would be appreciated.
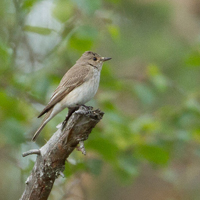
column 51, row 157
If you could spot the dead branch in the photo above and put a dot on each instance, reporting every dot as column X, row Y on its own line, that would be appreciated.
column 50, row 162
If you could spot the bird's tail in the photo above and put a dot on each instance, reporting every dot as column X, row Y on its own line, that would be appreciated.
column 45, row 120
column 38, row 131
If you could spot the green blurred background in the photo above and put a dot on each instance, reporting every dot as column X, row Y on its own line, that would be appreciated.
column 147, row 145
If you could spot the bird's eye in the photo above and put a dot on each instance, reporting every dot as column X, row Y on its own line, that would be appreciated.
column 95, row 59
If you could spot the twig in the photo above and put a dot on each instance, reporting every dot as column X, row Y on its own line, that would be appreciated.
column 81, row 147
column 62, row 174
column 33, row 151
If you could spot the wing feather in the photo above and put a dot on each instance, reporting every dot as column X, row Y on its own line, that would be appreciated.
column 74, row 77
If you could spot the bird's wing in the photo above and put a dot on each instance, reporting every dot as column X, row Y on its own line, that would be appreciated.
column 74, row 77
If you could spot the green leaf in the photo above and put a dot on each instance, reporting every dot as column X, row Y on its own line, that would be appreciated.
column 114, row 1
column 153, row 70
column 5, row 56
column 153, row 153
column 193, row 59
column 104, row 147
column 28, row 4
column 10, row 107
column 114, row 31
column 72, row 169
column 83, row 38
column 145, row 123
column 108, row 105
column 109, row 81
column 63, row 10
column 38, row 30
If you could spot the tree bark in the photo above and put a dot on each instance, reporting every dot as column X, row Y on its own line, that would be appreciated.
column 50, row 162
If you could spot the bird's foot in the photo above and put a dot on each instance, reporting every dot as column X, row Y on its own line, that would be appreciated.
column 87, row 107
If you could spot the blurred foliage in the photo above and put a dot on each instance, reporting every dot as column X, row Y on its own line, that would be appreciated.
column 149, row 91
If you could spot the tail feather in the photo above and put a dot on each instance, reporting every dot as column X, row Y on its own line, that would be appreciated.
column 38, row 131
column 44, row 122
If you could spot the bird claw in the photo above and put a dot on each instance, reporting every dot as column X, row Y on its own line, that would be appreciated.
column 87, row 107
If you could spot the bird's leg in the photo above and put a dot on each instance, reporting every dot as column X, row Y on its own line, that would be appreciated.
column 70, row 112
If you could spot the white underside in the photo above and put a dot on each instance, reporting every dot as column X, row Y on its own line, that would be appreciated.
column 79, row 95
column 83, row 93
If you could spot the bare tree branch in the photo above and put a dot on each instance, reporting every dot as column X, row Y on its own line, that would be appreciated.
column 51, row 161
column 33, row 151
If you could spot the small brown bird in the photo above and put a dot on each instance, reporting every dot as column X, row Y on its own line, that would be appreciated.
column 78, row 86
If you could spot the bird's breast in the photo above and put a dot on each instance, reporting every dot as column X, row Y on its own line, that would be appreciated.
column 84, row 92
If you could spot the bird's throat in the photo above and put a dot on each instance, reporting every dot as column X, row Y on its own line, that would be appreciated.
column 93, row 66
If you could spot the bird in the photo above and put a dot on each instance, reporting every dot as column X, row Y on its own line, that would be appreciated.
column 78, row 86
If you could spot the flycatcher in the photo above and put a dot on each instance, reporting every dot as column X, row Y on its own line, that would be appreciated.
column 78, row 86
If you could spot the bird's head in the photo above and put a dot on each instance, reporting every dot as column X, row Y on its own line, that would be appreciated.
column 93, row 59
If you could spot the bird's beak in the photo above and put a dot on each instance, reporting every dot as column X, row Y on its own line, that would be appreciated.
column 105, row 58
